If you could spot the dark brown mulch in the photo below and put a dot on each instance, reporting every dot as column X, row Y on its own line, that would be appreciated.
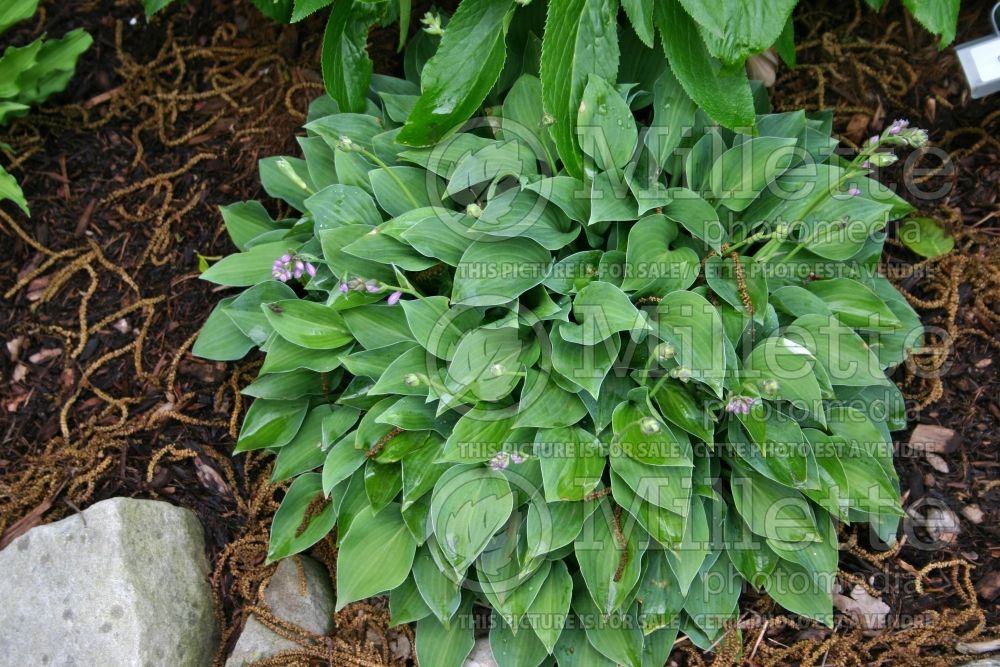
column 125, row 170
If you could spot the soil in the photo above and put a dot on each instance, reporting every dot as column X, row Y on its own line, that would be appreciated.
column 125, row 171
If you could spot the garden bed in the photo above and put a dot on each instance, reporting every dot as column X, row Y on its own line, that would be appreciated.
column 99, row 396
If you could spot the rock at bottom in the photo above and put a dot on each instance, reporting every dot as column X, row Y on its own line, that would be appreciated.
column 300, row 593
column 124, row 583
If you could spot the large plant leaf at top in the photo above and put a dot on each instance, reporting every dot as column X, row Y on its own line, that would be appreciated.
column 453, row 84
column 581, row 38
column 725, row 97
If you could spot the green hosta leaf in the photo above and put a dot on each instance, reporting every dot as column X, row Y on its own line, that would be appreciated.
column 739, row 174
column 510, row 650
column 712, row 600
column 551, row 526
column 437, row 327
column 723, row 276
column 926, row 237
column 544, row 404
column 347, row 69
column 246, row 313
column 771, row 510
column 673, row 110
column 581, row 38
column 600, row 555
column 680, row 408
column 402, row 189
column 377, row 325
column 668, row 487
column 338, row 205
column 843, row 354
column 449, row 646
column 308, row 324
column 468, row 506
column 697, row 216
column 724, row 97
column 245, row 269
column 295, row 384
column 492, row 273
column 442, row 595
column 605, row 126
column 486, row 362
column 524, row 118
column 406, row 605
column 602, row 310
column 854, row 304
column 342, row 460
column 798, row 591
column 453, row 85
column 791, row 366
column 574, row 650
column 361, row 573
column 643, row 437
column 572, row 462
column 659, row 593
column 548, row 613
column 686, row 560
column 652, row 266
column 615, row 635
column 693, row 327
column 584, row 365
column 383, row 482
column 305, row 451
column 220, row 339
column 245, row 221
column 270, row 423
column 291, row 531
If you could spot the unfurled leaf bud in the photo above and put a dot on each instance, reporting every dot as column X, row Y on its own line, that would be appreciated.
column 412, row 380
column 664, row 351
column 473, row 210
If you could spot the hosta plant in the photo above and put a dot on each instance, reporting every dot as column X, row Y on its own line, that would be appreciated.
column 598, row 405
column 29, row 74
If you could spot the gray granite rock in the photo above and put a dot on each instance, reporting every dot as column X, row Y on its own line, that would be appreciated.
column 122, row 584
column 300, row 593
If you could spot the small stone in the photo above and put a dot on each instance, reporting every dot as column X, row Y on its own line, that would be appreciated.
column 942, row 525
column 481, row 655
column 938, row 463
column 934, row 439
column 989, row 586
column 973, row 513
column 311, row 608
column 125, row 582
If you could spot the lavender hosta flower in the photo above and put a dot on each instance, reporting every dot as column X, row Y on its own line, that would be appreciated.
column 740, row 405
column 394, row 298
column 854, row 191
column 290, row 266
column 500, row 461
column 517, row 457
column 344, row 288
column 898, row 126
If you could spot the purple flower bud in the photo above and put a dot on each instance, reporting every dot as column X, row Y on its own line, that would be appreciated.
column 872, row 140
column 285, row 259
column 515, row 457
column 344, row 289
column 866, row 164
column 373, row 287
column 854, row 191
column 311, row 270
column 394, row 298
column 897, row 126
column 500, row 461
